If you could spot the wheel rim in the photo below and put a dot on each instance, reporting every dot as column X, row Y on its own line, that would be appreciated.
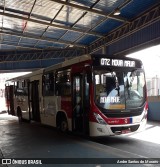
column 64, row 126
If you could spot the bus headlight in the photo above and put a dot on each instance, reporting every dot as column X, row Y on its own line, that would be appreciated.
column 99, row 119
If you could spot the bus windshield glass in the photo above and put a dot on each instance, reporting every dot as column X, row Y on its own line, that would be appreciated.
column 119, row 89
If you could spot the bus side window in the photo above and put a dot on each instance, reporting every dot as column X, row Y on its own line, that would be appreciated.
column 63, row 83
column 48, row 84
column 21, row 89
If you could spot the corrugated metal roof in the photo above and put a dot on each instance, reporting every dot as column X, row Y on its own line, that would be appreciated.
column 43, row 24
column 137, row 7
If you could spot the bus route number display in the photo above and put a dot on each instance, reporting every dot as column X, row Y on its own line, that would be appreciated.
column 117, row 62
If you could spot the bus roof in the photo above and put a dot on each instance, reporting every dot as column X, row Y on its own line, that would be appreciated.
column 27, row 76
column 68, row 63
column 84, row 58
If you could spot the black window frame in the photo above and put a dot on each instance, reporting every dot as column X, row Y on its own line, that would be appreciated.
column 63, row 82
column 48, row 84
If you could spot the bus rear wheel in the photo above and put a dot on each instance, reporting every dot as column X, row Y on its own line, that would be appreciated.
column 63, row 125
column 19, row 114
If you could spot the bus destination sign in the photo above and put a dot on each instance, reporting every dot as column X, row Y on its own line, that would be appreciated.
column 117, row 62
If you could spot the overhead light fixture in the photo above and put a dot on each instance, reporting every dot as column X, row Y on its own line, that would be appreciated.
column 71, row 46
column 117, row 12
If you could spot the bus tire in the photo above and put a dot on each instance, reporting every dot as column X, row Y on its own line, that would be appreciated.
column 63, row 125
column 61, row 122
column 19, row 114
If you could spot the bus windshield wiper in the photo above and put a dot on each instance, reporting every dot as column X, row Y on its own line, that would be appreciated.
column 129, row 83
column 116, row 82
column 133, row 74
column 128, row 88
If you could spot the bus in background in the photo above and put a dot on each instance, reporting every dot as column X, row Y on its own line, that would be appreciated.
column 94, row 95
column 22, row 95
column 9, row 97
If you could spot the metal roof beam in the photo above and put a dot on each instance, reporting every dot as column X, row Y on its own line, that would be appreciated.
column 23, row 13
column 40, row 55
column 50, row 24
column 90, row 10
column 14, row 10
column 15, row 45
column 85, row 13
column 3, row 12
column 126, row 2
column 139, row 23
column 31, row 36
column 24, row 28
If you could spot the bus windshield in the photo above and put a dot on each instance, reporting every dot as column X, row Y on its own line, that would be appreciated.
column 119, row 89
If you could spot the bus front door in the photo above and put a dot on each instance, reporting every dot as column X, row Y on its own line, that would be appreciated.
column 11, row 100
column 34, row 108
column 80, row 107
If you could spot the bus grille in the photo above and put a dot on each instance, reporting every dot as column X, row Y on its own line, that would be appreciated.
column 120, row 129
column 122, row 114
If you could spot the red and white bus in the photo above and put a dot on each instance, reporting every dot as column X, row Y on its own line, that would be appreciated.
column 94, row 95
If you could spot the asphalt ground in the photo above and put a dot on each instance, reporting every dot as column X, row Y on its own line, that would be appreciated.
column 31, row 141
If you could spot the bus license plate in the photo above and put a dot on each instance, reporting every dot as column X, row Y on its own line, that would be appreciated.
column 126, row 131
